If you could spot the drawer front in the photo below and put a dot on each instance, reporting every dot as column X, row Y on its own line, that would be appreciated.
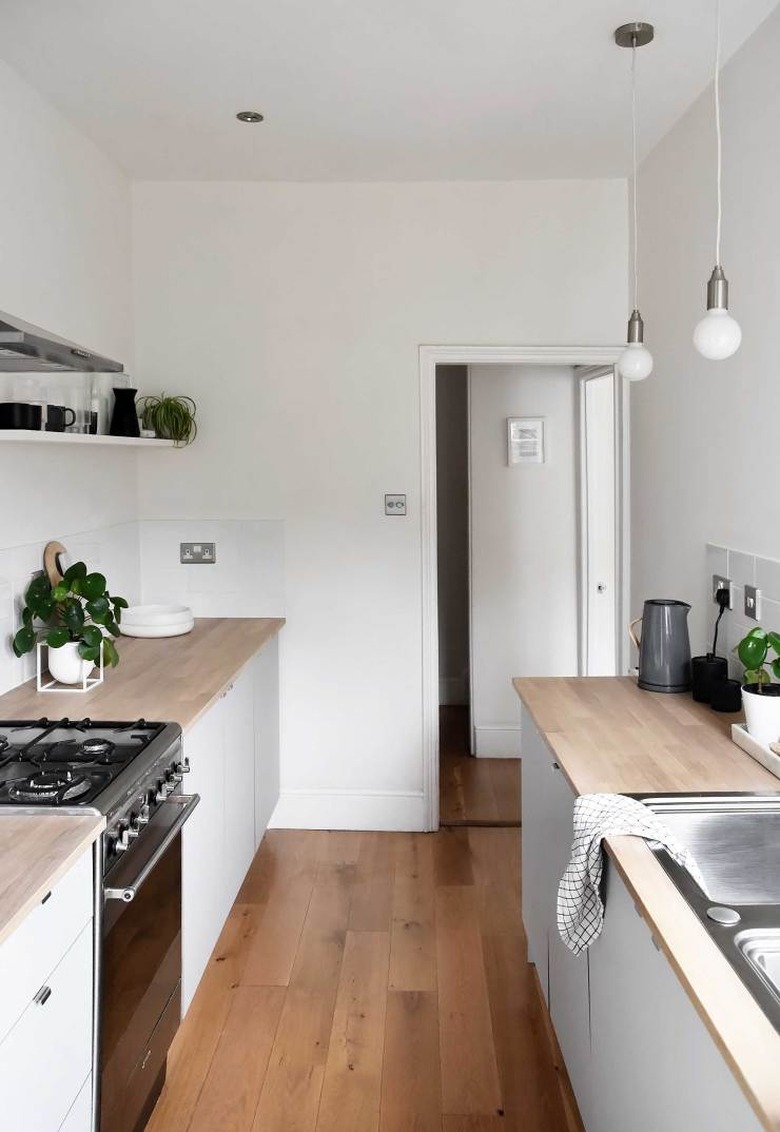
column 47, row 1056
column 79, row 1119
column 33, row 951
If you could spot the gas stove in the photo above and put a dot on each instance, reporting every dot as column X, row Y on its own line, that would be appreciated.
column 123, row 770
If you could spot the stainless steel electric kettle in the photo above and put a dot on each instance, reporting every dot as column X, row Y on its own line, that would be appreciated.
column 664, row 646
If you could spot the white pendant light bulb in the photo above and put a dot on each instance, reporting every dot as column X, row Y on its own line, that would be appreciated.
column 717, row 336
column 636, row 361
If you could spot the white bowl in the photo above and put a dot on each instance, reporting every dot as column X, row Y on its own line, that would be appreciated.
column 156, row 615
column 158, row 630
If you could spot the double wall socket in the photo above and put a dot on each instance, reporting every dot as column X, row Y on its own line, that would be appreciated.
column 198, row 553
column 721, row 583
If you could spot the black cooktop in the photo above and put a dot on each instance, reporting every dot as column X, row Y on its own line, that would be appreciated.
column 66, row 762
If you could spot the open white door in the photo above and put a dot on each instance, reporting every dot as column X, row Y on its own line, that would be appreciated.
column 598, row 468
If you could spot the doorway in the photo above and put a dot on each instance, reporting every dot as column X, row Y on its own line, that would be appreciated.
column 593, row 553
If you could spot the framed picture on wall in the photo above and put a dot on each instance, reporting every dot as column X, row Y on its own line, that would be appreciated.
column 525, row 440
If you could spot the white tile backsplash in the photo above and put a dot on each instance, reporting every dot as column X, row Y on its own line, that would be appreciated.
column 744, row 568
column 141, row 563
column 246, row 580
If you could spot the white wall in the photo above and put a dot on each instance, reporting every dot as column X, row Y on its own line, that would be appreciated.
column 524, row 562
column 452, row 531
column 64, row 265
column 293, row 314
column 704, row 434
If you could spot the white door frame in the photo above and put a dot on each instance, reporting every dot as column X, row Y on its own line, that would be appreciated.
column 430, row 358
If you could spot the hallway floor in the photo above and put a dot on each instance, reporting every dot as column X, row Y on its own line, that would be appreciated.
column 369, row 982
column 473, row 791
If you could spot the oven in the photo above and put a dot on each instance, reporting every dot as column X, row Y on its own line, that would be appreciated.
column 140, row 954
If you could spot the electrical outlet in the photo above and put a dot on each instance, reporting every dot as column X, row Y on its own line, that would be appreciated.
column 395, row 505
column 197, row 553
column 752, row 603
column 721, row 583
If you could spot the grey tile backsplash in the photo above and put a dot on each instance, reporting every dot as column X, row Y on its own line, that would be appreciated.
column 744, row 569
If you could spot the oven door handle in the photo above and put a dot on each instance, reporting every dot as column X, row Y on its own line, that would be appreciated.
column 188, row 802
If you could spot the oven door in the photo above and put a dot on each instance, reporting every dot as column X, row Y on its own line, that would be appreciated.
column 141, row 968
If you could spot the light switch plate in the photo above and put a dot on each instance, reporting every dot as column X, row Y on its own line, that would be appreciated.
column 395, row 505
column 752, row 603
column 198, row 553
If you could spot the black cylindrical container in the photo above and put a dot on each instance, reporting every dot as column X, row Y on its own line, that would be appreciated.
column 726, row 695
column 705, row 670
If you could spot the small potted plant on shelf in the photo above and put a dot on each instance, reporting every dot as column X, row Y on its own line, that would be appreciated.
column 760, row 697
column 76, row 617
column 171, row 418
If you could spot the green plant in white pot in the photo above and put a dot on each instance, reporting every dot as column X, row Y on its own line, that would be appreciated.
column 76, row 617
column 760, row 697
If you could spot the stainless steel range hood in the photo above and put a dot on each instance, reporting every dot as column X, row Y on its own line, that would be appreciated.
column 28, row 349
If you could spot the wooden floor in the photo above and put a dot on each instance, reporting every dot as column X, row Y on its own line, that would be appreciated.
column 473, row 791
column 369, row 982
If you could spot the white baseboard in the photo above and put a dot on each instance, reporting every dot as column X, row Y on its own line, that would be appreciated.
column 386, row 810
column 497, row 742
column 453, row 690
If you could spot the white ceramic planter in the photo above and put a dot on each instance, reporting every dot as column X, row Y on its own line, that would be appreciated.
column 762, row 712
column 66, row 666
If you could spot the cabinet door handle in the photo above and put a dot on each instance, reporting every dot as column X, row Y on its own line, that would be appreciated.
column 43, row 996
column 556, row 766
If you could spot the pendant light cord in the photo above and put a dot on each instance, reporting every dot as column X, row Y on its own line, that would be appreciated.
column 633, row 164
column 718, row 134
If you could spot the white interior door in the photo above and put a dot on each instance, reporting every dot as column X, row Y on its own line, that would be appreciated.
column 599, row 489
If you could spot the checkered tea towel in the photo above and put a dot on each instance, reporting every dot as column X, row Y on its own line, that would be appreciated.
column 580, row 907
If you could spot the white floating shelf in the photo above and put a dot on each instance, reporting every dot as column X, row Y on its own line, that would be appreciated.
column 24, row 436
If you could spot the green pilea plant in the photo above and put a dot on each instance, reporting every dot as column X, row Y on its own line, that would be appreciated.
column 753, row 651
column 78, row 609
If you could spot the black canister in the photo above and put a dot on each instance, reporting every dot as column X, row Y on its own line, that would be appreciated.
column 705, row 671
column 726, row 695
column 124, row 419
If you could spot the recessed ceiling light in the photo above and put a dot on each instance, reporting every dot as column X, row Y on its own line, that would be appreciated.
column 249, row 116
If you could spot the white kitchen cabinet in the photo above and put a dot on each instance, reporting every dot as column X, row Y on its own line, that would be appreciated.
column 239, row 745
column 266, row 684
column 203, row 848
column 654, row 1066
column 79, row 1119
column 548, row 804
column 233, row 753
column 47, row 1055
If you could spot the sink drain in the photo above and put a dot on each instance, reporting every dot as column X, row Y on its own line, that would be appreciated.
column 726, row 916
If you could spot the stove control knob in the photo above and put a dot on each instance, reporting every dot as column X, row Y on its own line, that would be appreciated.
column 135, row 826
column 183, row 768
column 176, row 776
column 145, row 813
column 123, row 840
column 160, row 793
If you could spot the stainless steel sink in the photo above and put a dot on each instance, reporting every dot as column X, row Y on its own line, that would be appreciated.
column 735, row 841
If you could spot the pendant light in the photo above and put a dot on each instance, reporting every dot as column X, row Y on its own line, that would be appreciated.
column 636, row 361
column 717, row 335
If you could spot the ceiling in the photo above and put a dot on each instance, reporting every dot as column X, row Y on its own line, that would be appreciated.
column 366, row 89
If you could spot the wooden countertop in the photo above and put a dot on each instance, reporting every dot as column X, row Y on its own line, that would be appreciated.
column 34, row 853
column 168, row 678
column 607, row 735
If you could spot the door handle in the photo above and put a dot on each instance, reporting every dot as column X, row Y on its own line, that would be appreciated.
column 188, row 802
column 43, row 996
